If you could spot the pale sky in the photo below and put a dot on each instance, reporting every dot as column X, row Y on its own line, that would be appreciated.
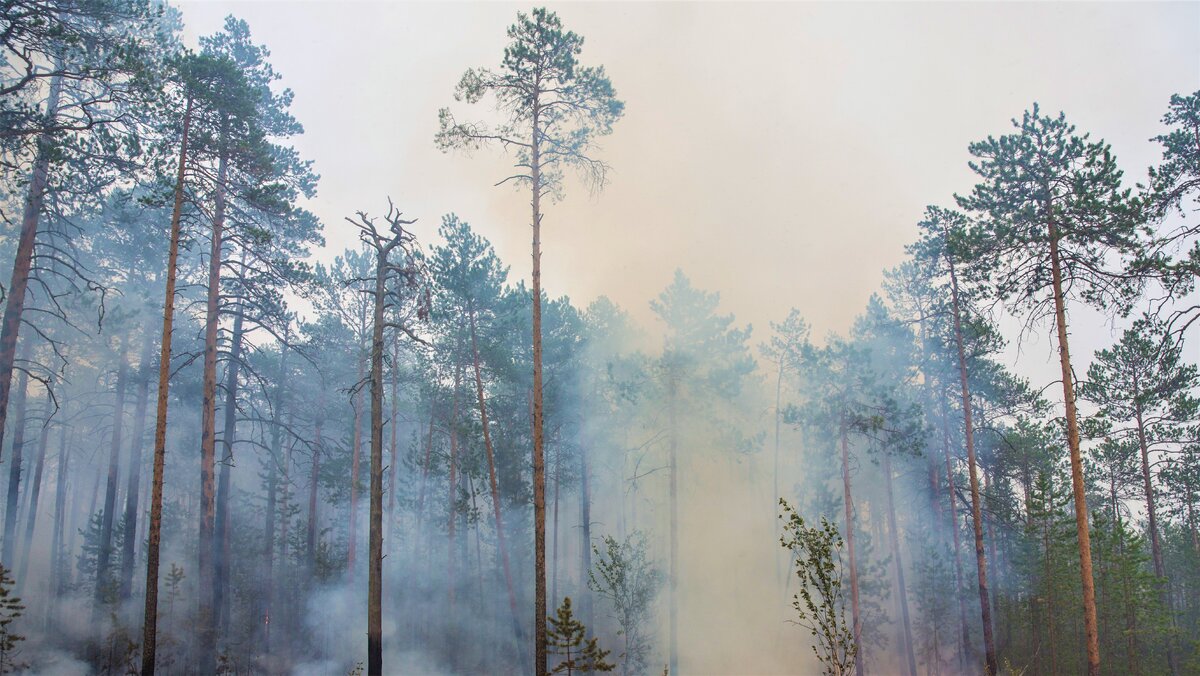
column 779, row 153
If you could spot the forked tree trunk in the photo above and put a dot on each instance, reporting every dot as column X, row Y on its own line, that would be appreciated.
column 150, row 623
column 14, row 307
column 1077, row 485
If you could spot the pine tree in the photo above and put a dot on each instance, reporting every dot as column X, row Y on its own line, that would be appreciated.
column 10, row 610
column 566, row 638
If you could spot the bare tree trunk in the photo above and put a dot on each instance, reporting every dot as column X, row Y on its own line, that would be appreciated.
column 492, row 483
column 15, row 463
column 989, row 644
column 207, row 619
column 104, row 555
column 14, row 306
column 901, row 588
column 375, row 542
column 849, row 505
column 225, row 487
column 392, row 425
column 1078, row 488
column 35, row 490
column 137, row 438
column 539, row 467
column 150, row 626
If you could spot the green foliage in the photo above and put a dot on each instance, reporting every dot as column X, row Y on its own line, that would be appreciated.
column 10, row 609
column 622, row 574
column 821, row 603
column 566, row 637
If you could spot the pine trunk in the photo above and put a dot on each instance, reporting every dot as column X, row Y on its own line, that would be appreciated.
column 104, row 556
column 901, row 588
column 35, row 490
column 225, row 487
column 989, row 644
column 150, row 622
column 849, row 506
column 58, row 556
column 673, row 582
column 137, row 439
column 539, row 467
column 14, row 306
column 375, row 541
column 1077, row 485
column 492, row 483
column 14, row 468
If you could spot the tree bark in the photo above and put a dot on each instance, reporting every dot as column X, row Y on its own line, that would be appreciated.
column 965, row 645
column 58, row 556
column 352, row 548
column 375, row 542
column 150, row 617
column 1077, row 485
column 989, row 644
column 311, row 535
column 207, row 619
column 269, row 534
column 539, row 468
column 15, row 303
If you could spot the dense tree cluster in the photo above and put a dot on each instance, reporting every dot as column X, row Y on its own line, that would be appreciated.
column 203, row 426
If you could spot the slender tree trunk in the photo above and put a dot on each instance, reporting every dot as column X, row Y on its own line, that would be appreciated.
column 14, row 469
column 137, row 439
column 150, row 625
column 779, row 571
column 493, row 485
column 1156, row 554
column 104, row 555
column 392, row 431
column 848, row 501
column 539, row 468
column 207, row 619
column 314, row 476
column 989, row 643
column 269, row 534
column 35, row 490
column 58, row 555
column 1078, row 488
column 673, row 582
column 554, row 535
column 354, row 474
column 375, row 542
column 14, row 306
column 965, row 646
column 901, row 588
column 452, row 488
column 225, row 487
column 585, row 510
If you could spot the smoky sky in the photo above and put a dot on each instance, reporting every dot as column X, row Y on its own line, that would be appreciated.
column 779, row 153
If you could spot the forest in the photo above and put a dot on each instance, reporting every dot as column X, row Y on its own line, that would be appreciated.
column 228, row 448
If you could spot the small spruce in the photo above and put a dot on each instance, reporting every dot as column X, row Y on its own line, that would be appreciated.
column 566, row 638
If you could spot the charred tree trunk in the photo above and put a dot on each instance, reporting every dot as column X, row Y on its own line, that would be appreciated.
column 14, row 307
column 150, row 624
